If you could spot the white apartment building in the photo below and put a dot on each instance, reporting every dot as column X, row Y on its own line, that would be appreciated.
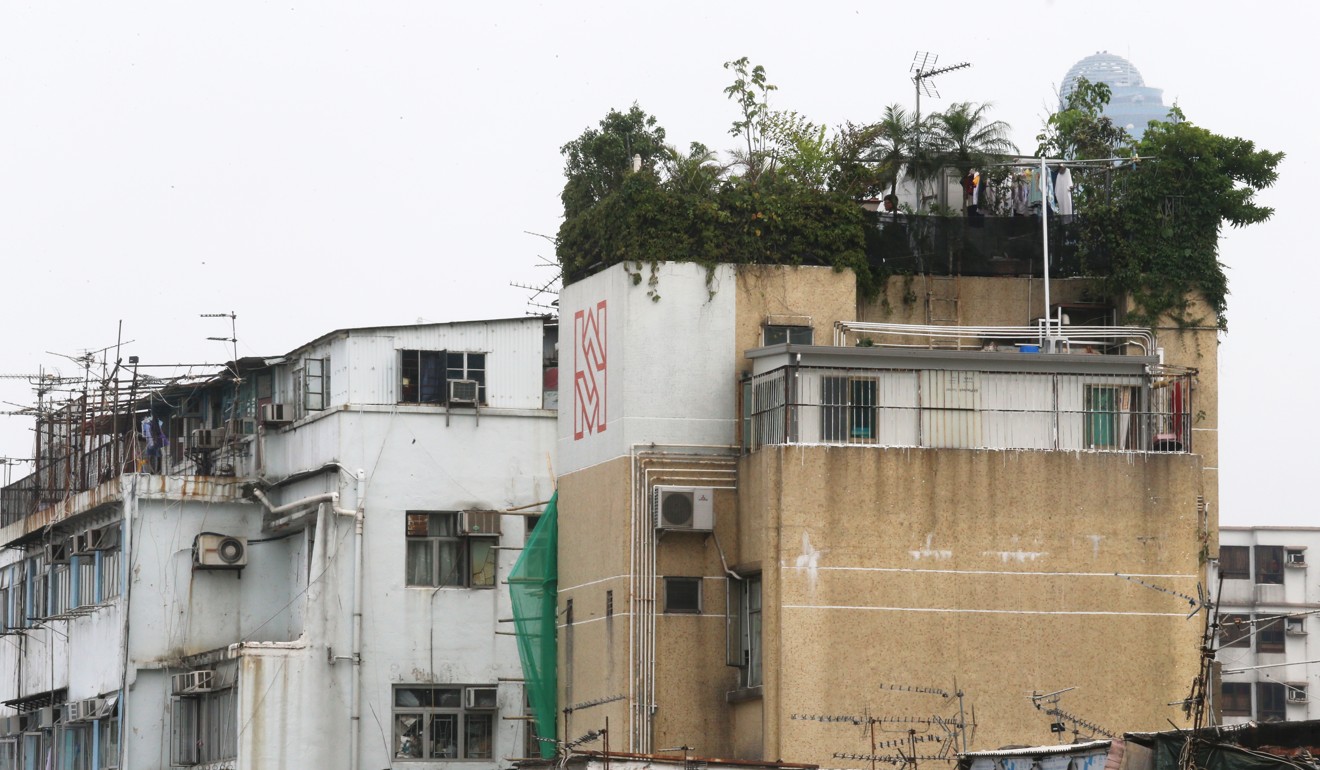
column 1268, row 602
column 311, row 578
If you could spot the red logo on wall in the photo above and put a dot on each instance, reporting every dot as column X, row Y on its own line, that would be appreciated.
column 589, row 371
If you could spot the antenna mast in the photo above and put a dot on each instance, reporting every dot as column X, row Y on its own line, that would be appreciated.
column 923, row 69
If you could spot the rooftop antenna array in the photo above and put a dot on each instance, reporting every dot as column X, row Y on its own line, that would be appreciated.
column 1051, row 700
column 544, row 294
column 924, row 68
column 949, row 734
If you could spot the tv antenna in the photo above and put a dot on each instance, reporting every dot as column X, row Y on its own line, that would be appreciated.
column 544, row 294
column 1051, row 699
column 232, row 339
column 950, row 733
column 924, row 68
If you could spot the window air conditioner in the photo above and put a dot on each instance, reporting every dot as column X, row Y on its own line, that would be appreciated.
column 212, row 551
column 192, row 682
column 89, row 709
column 1296, row 559
column 73, row 712
column 480, row 522
column 276, row 414
column 480, row 698
column 82, row 544
column 103, row 538
column 464, row 391
column 205, row 438
column 1296, row 693
column 45, row 717
column 57, row 552
column 684, row 508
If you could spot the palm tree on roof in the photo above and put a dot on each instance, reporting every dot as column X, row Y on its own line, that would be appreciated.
column 964, row 138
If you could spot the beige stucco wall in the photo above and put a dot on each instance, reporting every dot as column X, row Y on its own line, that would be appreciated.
column 806, row 296
column 990, row 569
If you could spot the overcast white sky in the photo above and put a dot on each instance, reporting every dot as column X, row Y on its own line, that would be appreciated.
column 319, row 166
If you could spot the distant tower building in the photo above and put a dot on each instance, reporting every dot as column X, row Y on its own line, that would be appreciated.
column 1132, row 103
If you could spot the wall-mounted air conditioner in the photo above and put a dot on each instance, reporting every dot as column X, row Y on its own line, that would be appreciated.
column 1296, row 558
column 57, row 552
column 82, row 544
column 464, row 391
column 103, row 538
column 73, row 712
column 205, row 438
column 192, row 682
column 480, row 698
column 480, row 522
column 684, row 508
column 89, row 709
column 276, row 414
column 1296, row 693
column 211, row 551
column 45, row 717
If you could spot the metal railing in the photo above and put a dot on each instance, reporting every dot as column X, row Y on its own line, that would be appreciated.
column 944, row 408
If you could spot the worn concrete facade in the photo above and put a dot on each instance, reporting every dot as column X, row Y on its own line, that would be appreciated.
column 378, row 514
column 843, row 575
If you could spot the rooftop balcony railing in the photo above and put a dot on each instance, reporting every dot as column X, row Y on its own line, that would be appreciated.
column 969, row 409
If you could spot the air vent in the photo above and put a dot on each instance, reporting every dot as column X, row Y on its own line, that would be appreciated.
column 219, row 552
column 684, row 508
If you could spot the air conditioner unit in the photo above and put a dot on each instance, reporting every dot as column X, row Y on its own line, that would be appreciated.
column 45, row 717
column 192, row 682
column 73, row 712
column 684, row 508
column 1296, row 559
column 205, row 438
column 464, row 391
column 103, row 538
column 480, row 522
column 236, row 428
column 57, row 552
column 480, row 698
column 276, row 414
column 219, row 552
column 1296, row 693
column 1295, row 627
column 82, row 544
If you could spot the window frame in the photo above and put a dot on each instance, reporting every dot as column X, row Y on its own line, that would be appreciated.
column 442, row 366
column 1271, row 632
column 744, row 633
column 467, row 550
column 849, row 409
column 209, row 730
column 1269, row 564
column 1267, row 694
column 1237, row 704
column 465, row 718
column 1239, row 634
column 1237, row 565
column 788, row 331
column 673, row 583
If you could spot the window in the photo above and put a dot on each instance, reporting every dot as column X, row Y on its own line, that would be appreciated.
column 1103, row 417
column 444, row 722
column 683, row 594
column 1269, row 633
column 774, row 334
column 204, row 727
column 316, row 384
column 1269, row 564
column 1235, row 631
column 425, row 375
column 744, row 629
column 441, row 554
column 1235, row 699
column 1235, row 562
column 1271, row 705
column 848, row 411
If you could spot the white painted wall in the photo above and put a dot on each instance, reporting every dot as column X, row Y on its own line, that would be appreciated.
column 668, row 376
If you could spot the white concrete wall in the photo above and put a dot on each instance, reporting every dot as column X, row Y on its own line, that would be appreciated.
column 644, row 397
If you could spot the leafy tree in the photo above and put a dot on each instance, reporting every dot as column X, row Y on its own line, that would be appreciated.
column 1080, row 129
column 751, row 91
column 696, row 173
column 963, row 137
column 597, row 161
column 1163, row 224
column 802, row 152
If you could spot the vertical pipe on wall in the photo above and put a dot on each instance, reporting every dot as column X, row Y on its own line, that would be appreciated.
column 355, row 695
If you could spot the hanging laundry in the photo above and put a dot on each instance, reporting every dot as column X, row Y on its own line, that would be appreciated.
column 1063, row 191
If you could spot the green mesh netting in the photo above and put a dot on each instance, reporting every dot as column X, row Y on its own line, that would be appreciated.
column 533, row 585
